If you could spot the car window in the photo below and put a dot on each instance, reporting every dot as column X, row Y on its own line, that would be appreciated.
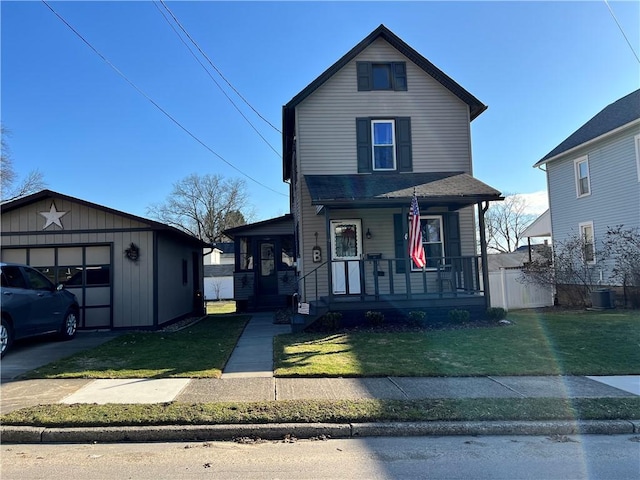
column 12, row 277
column 37, row 280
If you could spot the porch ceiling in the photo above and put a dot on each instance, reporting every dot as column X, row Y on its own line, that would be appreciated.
column 396, row 189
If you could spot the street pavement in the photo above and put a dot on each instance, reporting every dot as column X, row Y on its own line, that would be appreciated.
column 248, row 376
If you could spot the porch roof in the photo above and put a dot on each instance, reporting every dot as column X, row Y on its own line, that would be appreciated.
column 395, row 189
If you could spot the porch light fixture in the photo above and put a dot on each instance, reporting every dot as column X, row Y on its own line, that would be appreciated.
column 368, row 234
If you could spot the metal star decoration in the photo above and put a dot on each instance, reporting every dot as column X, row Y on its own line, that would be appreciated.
column 52, row 216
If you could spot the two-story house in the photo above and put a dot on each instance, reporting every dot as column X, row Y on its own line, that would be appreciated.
column 379, row 126
column 593, row 178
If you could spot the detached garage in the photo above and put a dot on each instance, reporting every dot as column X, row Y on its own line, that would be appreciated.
column 127, row 271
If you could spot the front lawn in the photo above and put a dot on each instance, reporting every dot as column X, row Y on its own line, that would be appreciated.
column 566, row 343
column 200, row 350
column 329, row 411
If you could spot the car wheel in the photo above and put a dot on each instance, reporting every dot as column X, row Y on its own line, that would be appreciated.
column 69, row 325
column 5, row 337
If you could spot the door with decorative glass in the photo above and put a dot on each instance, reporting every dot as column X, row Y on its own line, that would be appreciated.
column 346, row 252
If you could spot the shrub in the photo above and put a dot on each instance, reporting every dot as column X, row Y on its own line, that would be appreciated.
column 459, row 316
column 495, row 314
column 283, row 316
column 417, row 318
column 375, row 319
column 330, row 321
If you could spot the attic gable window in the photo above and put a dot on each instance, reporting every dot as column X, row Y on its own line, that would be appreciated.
column 381, row 76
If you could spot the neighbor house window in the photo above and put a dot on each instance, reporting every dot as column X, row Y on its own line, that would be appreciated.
column 381, row 76
column 583, row 186
column 637, row 142
column 588, row 242
column 432, row 240
column 384, row 144
column 246, row 254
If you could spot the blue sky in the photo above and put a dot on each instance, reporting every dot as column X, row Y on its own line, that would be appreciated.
column 543, row 68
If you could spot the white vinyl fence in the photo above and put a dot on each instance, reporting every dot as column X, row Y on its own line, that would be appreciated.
column 507, row 291
column 218, row 288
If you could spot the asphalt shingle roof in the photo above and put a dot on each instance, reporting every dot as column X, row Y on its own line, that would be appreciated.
column 437, row 186
column 616, row 115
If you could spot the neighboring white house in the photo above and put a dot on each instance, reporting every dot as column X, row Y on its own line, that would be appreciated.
column 593, row 177
column 220, row 254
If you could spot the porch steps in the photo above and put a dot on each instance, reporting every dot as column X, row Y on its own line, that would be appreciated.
column 316, row 310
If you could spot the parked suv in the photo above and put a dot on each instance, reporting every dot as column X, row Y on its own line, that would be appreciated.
column 32, row 305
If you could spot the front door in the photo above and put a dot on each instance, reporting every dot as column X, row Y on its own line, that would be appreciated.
column 267, row 276
column 346, row 251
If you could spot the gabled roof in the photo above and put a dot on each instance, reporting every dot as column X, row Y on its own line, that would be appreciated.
column 613, row 117
column 398, row 189
column 476, row 107
column 44, row 194
column 262, row 227
column 540, row 227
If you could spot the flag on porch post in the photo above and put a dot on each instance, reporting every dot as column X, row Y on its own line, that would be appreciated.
column 416, row 249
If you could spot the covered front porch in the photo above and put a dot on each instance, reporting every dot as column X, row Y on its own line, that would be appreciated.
column 362, row 225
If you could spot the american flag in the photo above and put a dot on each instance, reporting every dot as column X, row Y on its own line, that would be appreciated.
column 416, row 250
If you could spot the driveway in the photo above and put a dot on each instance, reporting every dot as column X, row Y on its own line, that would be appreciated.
column 33, row 353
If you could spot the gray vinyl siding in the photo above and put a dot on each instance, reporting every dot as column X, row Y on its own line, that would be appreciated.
column 175, row 298
column 615, row 190
column 380, row 223
column 326, row 127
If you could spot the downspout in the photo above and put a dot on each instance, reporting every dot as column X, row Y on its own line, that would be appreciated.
column 327, row 219
column 483, row 252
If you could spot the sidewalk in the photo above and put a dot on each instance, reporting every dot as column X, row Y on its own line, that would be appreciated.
column 248, row 376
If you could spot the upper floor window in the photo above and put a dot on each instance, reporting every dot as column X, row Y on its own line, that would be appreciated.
column 588, row 242
column 637, row 143
column 381, row 76
column 583, row 185
column 384, row 144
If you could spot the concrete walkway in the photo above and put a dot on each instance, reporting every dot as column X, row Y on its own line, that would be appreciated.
column 253, row 355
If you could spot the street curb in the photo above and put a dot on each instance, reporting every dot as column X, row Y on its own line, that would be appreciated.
column 279, row 431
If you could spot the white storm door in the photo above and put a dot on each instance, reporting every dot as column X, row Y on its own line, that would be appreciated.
column 346, row 251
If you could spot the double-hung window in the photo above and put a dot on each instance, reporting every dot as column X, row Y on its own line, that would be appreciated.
column 583, row 185
column 588, row 242
column 384, row 144
column 432, row 240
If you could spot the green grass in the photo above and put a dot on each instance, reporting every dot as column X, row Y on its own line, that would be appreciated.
column 221, row 307
column 341, row 411
column 200, row 350
column 567, row 343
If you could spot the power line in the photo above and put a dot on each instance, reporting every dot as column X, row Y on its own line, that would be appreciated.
column 214, row 80
column 216, row 68
column 155, row 104
column 621, row 30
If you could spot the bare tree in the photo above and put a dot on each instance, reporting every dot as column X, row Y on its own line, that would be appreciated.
column 505, row 221
column 12, row 187
column 573, row 267
column 622, row 245
column 204, row 206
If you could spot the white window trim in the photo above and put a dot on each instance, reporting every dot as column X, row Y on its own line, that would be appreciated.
column 581, row 226
column 637, row 144
column 442, row 241
column 373, row 145
column 576, row 173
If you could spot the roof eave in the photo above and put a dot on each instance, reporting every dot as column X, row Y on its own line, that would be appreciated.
column 588, row 143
